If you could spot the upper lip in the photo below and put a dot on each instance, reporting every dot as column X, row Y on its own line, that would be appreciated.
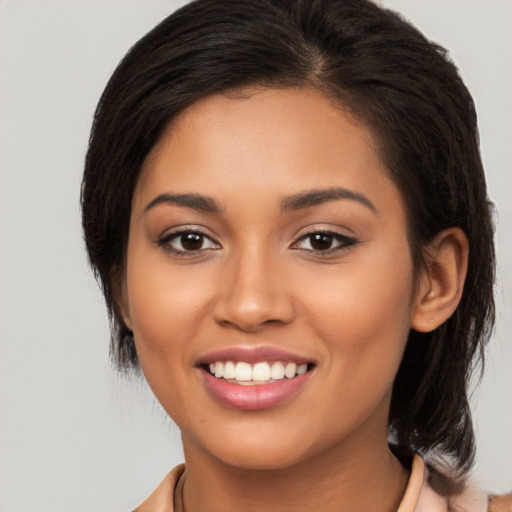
column 252, row 355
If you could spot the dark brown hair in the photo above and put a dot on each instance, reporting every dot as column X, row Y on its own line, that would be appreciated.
column 383, row 70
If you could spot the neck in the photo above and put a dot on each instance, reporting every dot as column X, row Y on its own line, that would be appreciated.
column 364, row 476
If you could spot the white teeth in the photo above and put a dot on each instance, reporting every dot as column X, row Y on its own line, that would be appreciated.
column 260, row 372
column 301, row 369
column 277, row 371
column 290, row 370
column 219, row 369
column 243, row 371
column 229, row 370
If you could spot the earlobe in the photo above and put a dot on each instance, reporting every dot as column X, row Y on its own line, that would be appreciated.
column 442, row 282
column 127, row 321
column 120, row 294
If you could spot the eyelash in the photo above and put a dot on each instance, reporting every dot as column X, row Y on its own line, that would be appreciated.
column 343, row 242
column 176, row 235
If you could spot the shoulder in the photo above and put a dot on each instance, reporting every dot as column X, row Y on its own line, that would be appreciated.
column 501, row 503
column 471, row 499
column 161, row 500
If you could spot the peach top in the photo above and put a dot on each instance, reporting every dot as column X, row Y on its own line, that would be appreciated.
column 418, row 497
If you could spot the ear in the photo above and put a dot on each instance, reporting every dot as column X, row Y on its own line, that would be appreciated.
column 442, row 281
column 120, row 295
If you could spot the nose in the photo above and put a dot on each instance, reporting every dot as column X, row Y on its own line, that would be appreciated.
column 253, row 293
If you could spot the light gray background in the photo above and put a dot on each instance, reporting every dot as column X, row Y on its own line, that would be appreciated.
column 74, row 436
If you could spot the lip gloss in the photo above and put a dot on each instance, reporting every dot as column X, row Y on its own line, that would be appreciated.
column 253, row 397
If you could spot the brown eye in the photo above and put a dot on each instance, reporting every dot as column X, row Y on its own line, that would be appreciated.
column 321, row 241
column 184, row 242
column 324, row 242
column 191, row 241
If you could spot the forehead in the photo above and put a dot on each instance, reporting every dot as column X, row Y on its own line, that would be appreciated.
column 283, row 140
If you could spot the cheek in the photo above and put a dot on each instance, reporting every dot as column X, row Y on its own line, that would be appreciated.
column 164, row 306
column 364, row 314
column 167, row 313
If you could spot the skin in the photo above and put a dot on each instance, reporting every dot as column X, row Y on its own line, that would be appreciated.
column 257, row 280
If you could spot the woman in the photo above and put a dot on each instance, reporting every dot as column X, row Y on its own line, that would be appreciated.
column 286, row 207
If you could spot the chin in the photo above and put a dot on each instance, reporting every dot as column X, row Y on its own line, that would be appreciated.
column 261, row 459
column 263, row 446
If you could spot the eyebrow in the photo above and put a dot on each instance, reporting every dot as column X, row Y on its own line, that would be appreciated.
column 316, row 197
column 292, row 203
column 194, row 201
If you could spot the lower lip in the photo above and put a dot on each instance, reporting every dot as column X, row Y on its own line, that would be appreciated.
column 257, row 396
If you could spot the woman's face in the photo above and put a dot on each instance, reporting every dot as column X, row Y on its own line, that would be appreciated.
column 266, row 241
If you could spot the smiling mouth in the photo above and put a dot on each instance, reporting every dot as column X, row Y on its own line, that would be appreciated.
column 263, row 372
